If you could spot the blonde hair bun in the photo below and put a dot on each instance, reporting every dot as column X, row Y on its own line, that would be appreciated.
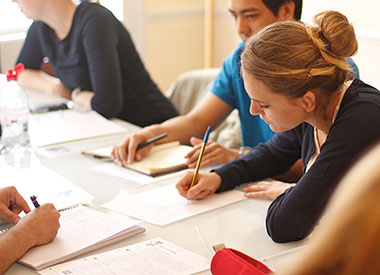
column 335, row 34
column 292, row 58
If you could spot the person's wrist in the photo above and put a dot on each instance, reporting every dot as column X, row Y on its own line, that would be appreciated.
column 75, row 93
column 234, row 155
column 24, row 233
column 217, row 181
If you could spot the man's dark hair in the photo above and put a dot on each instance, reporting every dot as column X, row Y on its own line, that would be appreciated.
column 274, row 5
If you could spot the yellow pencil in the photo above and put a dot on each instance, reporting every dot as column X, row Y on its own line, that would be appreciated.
column 205, row 139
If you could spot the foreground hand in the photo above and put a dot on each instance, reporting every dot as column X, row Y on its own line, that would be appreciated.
column 11, row 204
column 214, row 153
column 206, row 184
column 266, row 189
column 41, row 225
column 125, row 152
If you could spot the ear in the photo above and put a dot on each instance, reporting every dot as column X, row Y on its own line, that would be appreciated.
column 286, row 11
column 308, row 101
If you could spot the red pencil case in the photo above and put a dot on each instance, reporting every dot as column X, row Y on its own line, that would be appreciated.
column 229, row 261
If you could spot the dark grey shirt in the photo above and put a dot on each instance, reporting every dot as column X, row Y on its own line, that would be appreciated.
column 98, row 55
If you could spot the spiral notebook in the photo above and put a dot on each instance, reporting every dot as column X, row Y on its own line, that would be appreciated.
column 82, row 230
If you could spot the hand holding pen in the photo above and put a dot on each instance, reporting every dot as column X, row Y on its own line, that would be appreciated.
column 205, row 139
column 196, row 186
column 126, row 152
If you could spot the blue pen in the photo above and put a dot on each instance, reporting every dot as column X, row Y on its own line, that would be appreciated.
column 205, row 139
column 34, row 201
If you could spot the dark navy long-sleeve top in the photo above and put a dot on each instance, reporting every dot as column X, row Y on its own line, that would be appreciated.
column 98, row 55
column 293, row 214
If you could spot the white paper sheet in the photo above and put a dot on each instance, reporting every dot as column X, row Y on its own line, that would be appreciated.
column 115, row 170
column 156, row 256
column 164, row 205
column 68, row 125
column 44, row 183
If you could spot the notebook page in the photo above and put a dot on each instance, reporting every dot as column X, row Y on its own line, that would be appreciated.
column 81, row 227
column 163, row 156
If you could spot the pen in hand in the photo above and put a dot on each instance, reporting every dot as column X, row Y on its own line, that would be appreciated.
column 205, row 139
column 150, row 141
column 34, row 201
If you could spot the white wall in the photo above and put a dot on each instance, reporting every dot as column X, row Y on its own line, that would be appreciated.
column 154, row 33
column 363, row 15
column 9, row 50
column 169, row 35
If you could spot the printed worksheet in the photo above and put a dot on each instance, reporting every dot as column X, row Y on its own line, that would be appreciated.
column 156, row 256
column 165, row 205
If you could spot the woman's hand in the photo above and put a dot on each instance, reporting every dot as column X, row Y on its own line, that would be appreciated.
column 59, row 89
column 214, row 153
column 206, row 184
column 266, row 189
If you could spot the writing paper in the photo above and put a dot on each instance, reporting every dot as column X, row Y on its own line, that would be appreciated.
column 164, row 205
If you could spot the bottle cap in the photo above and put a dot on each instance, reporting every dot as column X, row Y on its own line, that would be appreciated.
column 12, row 74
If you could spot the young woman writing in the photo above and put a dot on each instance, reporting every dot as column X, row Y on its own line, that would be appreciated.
column 298, row 80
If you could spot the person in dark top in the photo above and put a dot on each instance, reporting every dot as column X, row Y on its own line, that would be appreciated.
column 299, row 83
column 94, row 60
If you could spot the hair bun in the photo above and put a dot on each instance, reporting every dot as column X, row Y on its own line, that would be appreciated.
column 336, row 33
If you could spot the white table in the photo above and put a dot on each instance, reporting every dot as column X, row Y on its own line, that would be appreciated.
column 240, row 225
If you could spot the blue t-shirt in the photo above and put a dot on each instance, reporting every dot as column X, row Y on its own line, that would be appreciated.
column 229, row 87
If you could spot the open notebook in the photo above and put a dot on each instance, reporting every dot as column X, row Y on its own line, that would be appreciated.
column 82, row 230
column 162, row 159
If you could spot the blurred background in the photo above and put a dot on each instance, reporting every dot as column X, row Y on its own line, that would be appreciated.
column 174, row 36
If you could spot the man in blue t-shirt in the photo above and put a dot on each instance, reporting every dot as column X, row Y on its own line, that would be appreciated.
column 227, row 94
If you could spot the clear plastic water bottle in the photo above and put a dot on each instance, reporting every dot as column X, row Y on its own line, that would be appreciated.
column 14, row 117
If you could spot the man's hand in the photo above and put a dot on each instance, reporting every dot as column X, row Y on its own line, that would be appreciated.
column 125, row 152
column 11, row 204
column 40, row 225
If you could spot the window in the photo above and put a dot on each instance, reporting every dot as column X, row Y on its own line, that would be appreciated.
column 12, row 20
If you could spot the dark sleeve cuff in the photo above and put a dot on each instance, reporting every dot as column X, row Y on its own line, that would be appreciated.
column 227, row 175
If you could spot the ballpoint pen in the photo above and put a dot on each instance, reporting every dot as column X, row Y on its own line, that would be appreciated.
column 205, row 139
column 150, row 141
column 34, row 201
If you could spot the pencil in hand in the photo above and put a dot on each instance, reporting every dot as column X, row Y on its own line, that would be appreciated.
column 205, row 139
